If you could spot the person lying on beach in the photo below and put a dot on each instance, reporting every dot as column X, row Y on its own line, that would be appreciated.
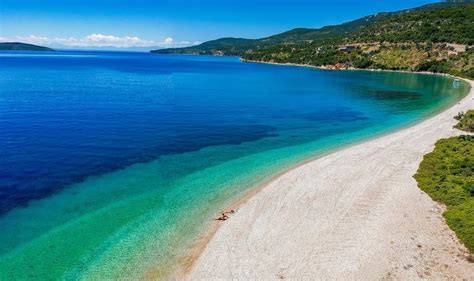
column 223, row 217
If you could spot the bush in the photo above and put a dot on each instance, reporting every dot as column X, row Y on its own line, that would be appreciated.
column 466, row 121
column 447, row 175
column 459, row 115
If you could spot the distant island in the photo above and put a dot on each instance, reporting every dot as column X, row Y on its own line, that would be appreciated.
column 17, row 46
column 435, row 37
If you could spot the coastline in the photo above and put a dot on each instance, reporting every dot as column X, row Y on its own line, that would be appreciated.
column 206, row 257
column 355, row 69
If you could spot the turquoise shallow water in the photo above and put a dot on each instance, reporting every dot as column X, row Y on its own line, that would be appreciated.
column 114, row 163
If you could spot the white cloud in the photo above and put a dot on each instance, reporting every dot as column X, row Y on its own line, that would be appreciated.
column 39, row 40
column 168, row 41
column 98, row 40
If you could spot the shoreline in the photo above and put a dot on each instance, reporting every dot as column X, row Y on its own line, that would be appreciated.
column 355, row 69
column 194, row 260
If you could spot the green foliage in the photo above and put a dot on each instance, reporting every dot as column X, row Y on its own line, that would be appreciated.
column 403, row 56
column 459, row 65
column 461, row 220
column 414, row 40
column 466, row 121
column 447, row 175
column 453, row 24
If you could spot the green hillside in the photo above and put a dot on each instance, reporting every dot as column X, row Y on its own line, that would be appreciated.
column 436, row 40
column 17, row 46
column 239, row 46
column 229, row 46
column 453, row 25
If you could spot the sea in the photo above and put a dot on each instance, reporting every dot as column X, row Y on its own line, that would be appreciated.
column 113, row 165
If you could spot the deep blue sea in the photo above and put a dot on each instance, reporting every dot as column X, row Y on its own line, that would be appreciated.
column 113, row 163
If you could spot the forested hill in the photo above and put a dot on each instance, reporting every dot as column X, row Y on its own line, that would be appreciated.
column 437, row 40
column 17, row 46
column 453, row 25
column 239, row 46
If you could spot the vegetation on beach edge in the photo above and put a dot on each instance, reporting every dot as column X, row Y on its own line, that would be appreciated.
column 447, row 176
column 466, row 121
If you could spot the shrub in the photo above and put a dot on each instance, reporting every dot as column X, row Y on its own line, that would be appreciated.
column 466, row 121
column 447, row 175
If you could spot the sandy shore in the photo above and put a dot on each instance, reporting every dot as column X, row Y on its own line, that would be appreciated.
column 354, row 214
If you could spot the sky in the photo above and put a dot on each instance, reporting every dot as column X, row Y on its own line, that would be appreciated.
column 172, row 23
